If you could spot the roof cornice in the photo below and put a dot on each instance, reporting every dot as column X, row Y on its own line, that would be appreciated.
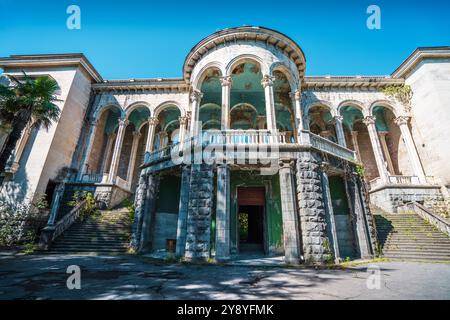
column 419, row 55
column 349, row 82
column 230, row 35
column 50, row 60
column 156, row 85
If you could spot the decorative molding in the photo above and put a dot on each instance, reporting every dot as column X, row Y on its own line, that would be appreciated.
column 267, row 81
column 401, row 120
column 226, row 81
column 369, row 120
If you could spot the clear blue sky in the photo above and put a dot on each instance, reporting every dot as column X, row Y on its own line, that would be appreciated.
column 137, row 39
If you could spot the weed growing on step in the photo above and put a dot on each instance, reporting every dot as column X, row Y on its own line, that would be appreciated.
column 127, row 203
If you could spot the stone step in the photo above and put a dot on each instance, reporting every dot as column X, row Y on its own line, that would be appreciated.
column 416, row 257
column 415, row 242
column 408, row 248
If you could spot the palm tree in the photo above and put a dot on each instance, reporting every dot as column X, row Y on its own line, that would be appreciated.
column 25, row 101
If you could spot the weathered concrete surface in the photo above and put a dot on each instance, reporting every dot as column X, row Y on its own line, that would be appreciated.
column 130, row 277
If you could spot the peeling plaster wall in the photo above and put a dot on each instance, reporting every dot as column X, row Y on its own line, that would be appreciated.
column 430, row 82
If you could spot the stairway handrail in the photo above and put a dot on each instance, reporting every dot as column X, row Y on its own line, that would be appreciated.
column 426, row 214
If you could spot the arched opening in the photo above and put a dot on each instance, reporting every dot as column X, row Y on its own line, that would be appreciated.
column 210, row 111
column 248, row 109
column 284, row 112
column 391, row 141
column 167, row 130
column 358, row 139
column 321, row 122
column 104, row 140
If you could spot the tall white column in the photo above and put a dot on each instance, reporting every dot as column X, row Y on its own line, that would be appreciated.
column 297, row 101
column 196, row 98
column 369, row 121
column 21, row 145
column 267, row 83
column 402, row 123
column 226, row 92
column 133, row 156
column 356, row 145
column 108, row 151
column 117, row 150
column 183, row 128
column 382, row 135
column 88, row 148
column 340, row 130
column 152, row 123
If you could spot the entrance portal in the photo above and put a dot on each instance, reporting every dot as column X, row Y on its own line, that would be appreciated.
column 251, row 222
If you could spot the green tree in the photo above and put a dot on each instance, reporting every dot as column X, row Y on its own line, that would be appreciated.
column 25, row 101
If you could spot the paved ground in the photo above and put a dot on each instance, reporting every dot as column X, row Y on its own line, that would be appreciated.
column 129, row 277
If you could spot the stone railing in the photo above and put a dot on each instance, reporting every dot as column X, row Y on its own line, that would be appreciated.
column 244, row 137
column 407, row 180
column 375, row 183
column 123, row 184
column 93, row 178
column 330, row 147
column 53, row 231
column 426, row 214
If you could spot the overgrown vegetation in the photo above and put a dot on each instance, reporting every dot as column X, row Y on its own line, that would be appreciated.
column 89, row 208
column 360, row 170
column 20, row 223
column 127, row 203
column 402, row 93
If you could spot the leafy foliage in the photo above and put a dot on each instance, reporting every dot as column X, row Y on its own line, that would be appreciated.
column 402, row 93
column 89, row 207
column 360, row 170
column 26, row 101
column 127, row 203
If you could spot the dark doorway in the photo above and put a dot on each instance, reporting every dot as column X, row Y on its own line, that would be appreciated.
column 251, row 211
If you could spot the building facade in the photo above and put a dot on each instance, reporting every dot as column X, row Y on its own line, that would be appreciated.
column 244, row 153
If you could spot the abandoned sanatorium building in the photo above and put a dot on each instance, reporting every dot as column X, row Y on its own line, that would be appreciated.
column 244, row 153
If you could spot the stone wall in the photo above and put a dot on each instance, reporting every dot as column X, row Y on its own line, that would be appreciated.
column 198, row 238
column 311, row 209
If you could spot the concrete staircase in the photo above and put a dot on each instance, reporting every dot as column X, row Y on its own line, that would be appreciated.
column 105, row 233
column 409, row 237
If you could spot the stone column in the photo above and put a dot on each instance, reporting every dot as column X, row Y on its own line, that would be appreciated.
column 223, row 213
column 226, row 92
column 149, row 207
column 88, row 148
column 382, row 136
column 108, row 151
column 297, row 99
column 369, row 121
column 311, row 208
column 198, row 238
column 132, row 163
column 183, row 211
column 340, row 130
column 152, row 123
column 331, row 221
column 357, row 207
column 402, row 123
column 117, row 150
column 139, row 203
column 356, row 144
column 267, row 83
column 196, row 98
column 163, row 139
column 291, row 228
column 183, row 125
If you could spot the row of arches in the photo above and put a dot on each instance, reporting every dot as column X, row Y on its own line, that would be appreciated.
column 382, row 152
column 246, row 99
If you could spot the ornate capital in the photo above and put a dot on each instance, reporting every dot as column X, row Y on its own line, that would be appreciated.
column 189, row 114
column 123, row 122
column 338, row 118
column 267, row 81
column 286, row 163
column 152, row 121
column 297, row 95
column 324, row 166
column 401, row 120
column 226, row 81
column 183, row 120
column 196, row 96
column 137, row 134
column 369, row 120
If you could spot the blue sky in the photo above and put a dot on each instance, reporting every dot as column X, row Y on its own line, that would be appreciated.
column 142, row 39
